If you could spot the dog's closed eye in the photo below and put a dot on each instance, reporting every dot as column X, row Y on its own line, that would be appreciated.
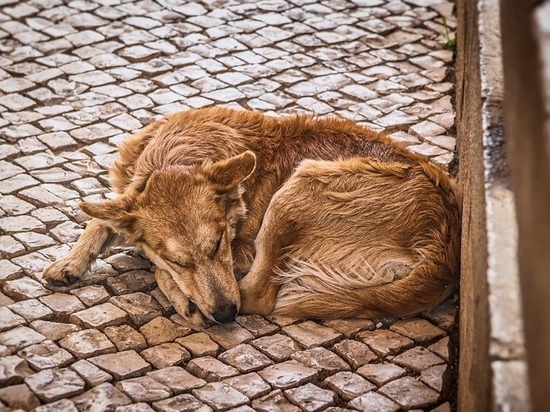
column 216, row 247
column 186, row 265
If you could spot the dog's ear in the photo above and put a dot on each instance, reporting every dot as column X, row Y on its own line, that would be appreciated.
column 116, row 212
column 228, row 174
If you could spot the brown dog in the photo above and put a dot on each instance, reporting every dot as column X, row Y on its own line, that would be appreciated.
column 325, row 218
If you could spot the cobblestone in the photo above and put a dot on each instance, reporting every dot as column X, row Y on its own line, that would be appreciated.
column 417, row 359
column 348, row 385
column 122, row 365
column 102, row 397
column 162, row 330
column 274, row 401
column 125, row 337
column 311, row 334
column 199, row 344
column 86, row 343
column 99, row 316
column 20, row 337
column 438, row 378
column 19, row 397
column 54, row 384
column 91, row 295
column 385, row 342
column 166, row 354
column 375, row 402
column 62, row 303
column 54, row 330
column 311, row 398
column 46, row 355
column 245, row 358
column 77, row 76
column 129, row 282
column 287, row 374
column 8, row 319
column 13, row 369
column 380, row 373
column 355, row 353
column 250, row 385
column 177, row 379
column 92, row 375
column 321, row 359
column 229, row 335
column 277, row 347
column 409, row 393
column 185, row 402
column 220, row 396
column 143, row 389
column 441, row 348
column 256, row 324
column 141, row 308
column 210, row 369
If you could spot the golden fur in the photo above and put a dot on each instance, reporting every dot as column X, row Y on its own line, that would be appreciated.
column 327, row 219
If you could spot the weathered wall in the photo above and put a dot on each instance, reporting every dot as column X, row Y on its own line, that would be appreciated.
column 526, row 46
column 473, row 389
column 492, row 372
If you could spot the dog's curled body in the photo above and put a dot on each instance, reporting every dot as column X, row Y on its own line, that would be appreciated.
column 326, row 218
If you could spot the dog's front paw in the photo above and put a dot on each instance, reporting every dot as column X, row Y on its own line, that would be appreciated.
column 64, row 272
column 252, row 299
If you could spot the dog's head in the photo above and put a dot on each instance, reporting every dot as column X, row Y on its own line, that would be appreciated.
column 185, row 218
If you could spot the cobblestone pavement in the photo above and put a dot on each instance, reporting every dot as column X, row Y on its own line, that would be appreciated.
column 77, row 76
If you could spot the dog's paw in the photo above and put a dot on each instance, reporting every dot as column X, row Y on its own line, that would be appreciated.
column 257, row 298
column 249, row 298
column 64, row 273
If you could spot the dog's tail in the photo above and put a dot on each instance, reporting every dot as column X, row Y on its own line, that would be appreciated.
column 316, row 291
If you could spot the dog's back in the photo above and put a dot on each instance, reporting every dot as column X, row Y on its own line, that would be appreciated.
column 280, row 144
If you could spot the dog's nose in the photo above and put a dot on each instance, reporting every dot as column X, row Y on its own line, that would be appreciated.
column 225, row 313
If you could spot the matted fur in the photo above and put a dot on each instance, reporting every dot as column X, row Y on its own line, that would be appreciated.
column 328, row 218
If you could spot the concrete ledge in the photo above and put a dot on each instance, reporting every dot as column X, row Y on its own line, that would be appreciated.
column 526, row 58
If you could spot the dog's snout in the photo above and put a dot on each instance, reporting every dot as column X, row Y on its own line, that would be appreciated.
column 225, row 313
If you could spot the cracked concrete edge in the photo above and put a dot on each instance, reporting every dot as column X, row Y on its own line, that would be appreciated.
column 506, row 324
column 490, row 273
column 507, row 343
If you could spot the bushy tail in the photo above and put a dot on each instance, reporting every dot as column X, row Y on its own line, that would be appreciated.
column 314, row 291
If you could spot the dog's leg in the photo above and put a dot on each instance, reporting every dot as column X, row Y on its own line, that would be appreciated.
column 74, row 265
column 259, row 288
column 243, row 257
